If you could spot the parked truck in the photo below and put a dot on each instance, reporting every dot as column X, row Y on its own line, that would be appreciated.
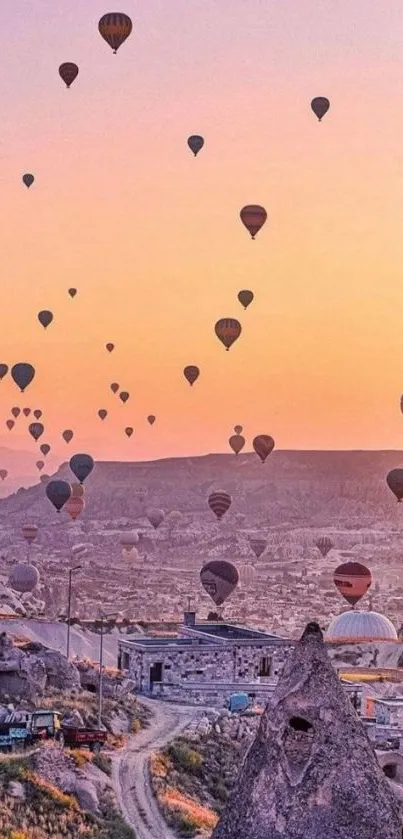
column 17, row 734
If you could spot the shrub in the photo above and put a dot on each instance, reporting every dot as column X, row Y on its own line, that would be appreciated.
column 136, row 726
column 185, row 758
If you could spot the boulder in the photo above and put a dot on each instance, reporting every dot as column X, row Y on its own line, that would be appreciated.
column 87, row 796
column 60, row 673
column 16, row 790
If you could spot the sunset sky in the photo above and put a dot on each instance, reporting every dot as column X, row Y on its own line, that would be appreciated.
column 151, row 236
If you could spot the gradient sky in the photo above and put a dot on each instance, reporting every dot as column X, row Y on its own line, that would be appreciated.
column 151, row 236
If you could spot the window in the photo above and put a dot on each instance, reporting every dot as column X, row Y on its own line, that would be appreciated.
column 264, row 667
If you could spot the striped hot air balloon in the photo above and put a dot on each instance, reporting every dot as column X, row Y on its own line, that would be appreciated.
column 353, row 580
column 324, row 545
column 219, row 578
column 219, row 502
column 115, row 27
column 227, row 331
column 263, row 445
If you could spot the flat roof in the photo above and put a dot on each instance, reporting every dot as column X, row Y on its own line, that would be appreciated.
column 229, row 631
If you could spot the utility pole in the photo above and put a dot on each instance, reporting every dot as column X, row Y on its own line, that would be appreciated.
column 101, row 662
column 71, row 570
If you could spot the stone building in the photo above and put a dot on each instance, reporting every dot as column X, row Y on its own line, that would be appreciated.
column 205, row 663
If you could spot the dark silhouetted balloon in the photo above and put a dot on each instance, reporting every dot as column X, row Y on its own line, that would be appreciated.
column 191, row 373
column 353, row 580
column 102, row 413
column 28, row 179
column 129, row 431
column 68, row 72
column 155, row 517
column 15, row 412
column 36, row 430
column 245, row 297
column 263, row 445
column 44, row 448
column 258, row 546
column 219, row 502
column 37, row 414
column 253, row 217
column 115, row 27
column 72, row 292
column 114, row 387
column 3, row 474
column 22, row 374
column 324, row 545
column 45, row 318
column 124, row 396
column 81, row 466
column 26, row 412
column 238, row 429
column 10, row 424
column 195, row 143
column 219, row 579
column 237, row 443
column 3, row 370
column 151, row 419
column 110, row 347
column 227, row 331
column 40, row 464
column 320, row 106
column 68, row 435
column 23, row 577
column 58, row 493
column 394, row 480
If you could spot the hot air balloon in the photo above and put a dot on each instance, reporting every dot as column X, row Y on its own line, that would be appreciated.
column 115, row 27
column 128, row 540
column 68, row 72
column 191, row 373
column 114, row 387
column 102, row 413
column 37, row 414
column 129, row 431
column 219, row 502
column 258, row 546
column 238, row 429
column 155, row 517
column 15, row 412
column 195, row 143
column 44, row 479
column 124, row 396
column 219, row 579
column 81, row 466
column 36, row 430
column 58, row 493
column 68, row 435
column 247, row 574
column 3, row 370
column 10, row 424
column 74, row 506
column 26, row 412
column 324, row 545
column 253, row 217
column 44, row 449
column 394, row 480
column 45, row 318
column 29, row 532
column 228, row 330
column 237, row 443
column 23, row 578
column 320, row 106
column 22, row 374
column 39, row 465
column 263, row 445
column 72, row 292
column 245, row 297
column 151, row 419
column 110, row 347
column 77, row 491
column 3, row 474
column 28, row 179
column 352, row 580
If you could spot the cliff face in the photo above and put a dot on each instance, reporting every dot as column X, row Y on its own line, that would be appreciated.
column 311, row 772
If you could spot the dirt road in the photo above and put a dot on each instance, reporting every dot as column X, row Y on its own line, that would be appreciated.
column 130, row 768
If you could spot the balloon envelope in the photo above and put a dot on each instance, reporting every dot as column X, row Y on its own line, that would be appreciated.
column 3, row 474
column 58, row 493
column 228, row 330
column 102, row 413
column 115, row 27
column 81, row 466
column 15, row 412
column 29, row 532
column 394, row 480
column 36, row 430
column 39, row 465
column 237, row 443
column 10, row 424
column 124, row 396
column 253, row 217
column 151, row 419
column 353, row 580
column 129, row 539
column 129, row 431
column 45, row 318
column 219, row 502
column 110, row 347
column 191, row 373
column 324, row 545
column 74, row 506
column 68, row 435
column 72, row 292
column 114, row 387
column 44, row 448
column 195, row 143
column 23, row 578
column 68, row 71
column 77, row 490
column 238, row 429
column 320, row 106
column 155, row 517
column 258, row 546
column 28, row 179
column 26, row 412
column 245, row 297
column 37, row 414
column 263, row 445
column 22, row 374
column 3, row 370
column 219, row 578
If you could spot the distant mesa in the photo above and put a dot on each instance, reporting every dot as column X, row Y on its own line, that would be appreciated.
column 360, row 627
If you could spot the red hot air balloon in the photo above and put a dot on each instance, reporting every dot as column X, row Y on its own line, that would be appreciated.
column 151, row 419
column 219, row 502
column 227, row 331
column 37, row 414
column 219, row 579
column 15, row 412
column 238, row 429
column 39, row 465
column 129, row 431
column 10, row 424
column 110, row 347
column 263, row 445
column 320, row 106
column 195, row 143
column 102, row 413
column 74, row 506
column 324, row 545
column 237, row 443
column 26, row 412
column 191, row 373
column 45, row 449
column 394, row 480
column 114, row 387
column 253, row 217
column 72, row 292
column 68, row 435
column 353, row 580
column 114, row 28
column 245, row 297
column 68, row 72
column 3, row 474
column 124, row 396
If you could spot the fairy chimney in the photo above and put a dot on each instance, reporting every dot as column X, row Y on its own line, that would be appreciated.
column 311, row 772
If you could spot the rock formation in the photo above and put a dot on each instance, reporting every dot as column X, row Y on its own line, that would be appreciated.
column 311, row 772
column 25, row 674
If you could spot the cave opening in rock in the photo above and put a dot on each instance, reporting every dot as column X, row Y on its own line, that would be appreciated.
column 299, row 724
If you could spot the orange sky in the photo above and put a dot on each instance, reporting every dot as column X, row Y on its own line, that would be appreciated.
column 151, row 236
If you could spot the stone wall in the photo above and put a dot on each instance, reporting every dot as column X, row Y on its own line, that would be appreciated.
column 215, row 694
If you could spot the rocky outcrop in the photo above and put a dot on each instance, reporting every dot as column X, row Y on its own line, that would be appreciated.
column 25, row 674
column 311, row 771
column 60, row 673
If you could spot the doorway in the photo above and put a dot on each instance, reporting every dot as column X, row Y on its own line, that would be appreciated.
column 155, row 673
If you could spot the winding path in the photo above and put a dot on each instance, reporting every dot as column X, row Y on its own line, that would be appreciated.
column 130, row 772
